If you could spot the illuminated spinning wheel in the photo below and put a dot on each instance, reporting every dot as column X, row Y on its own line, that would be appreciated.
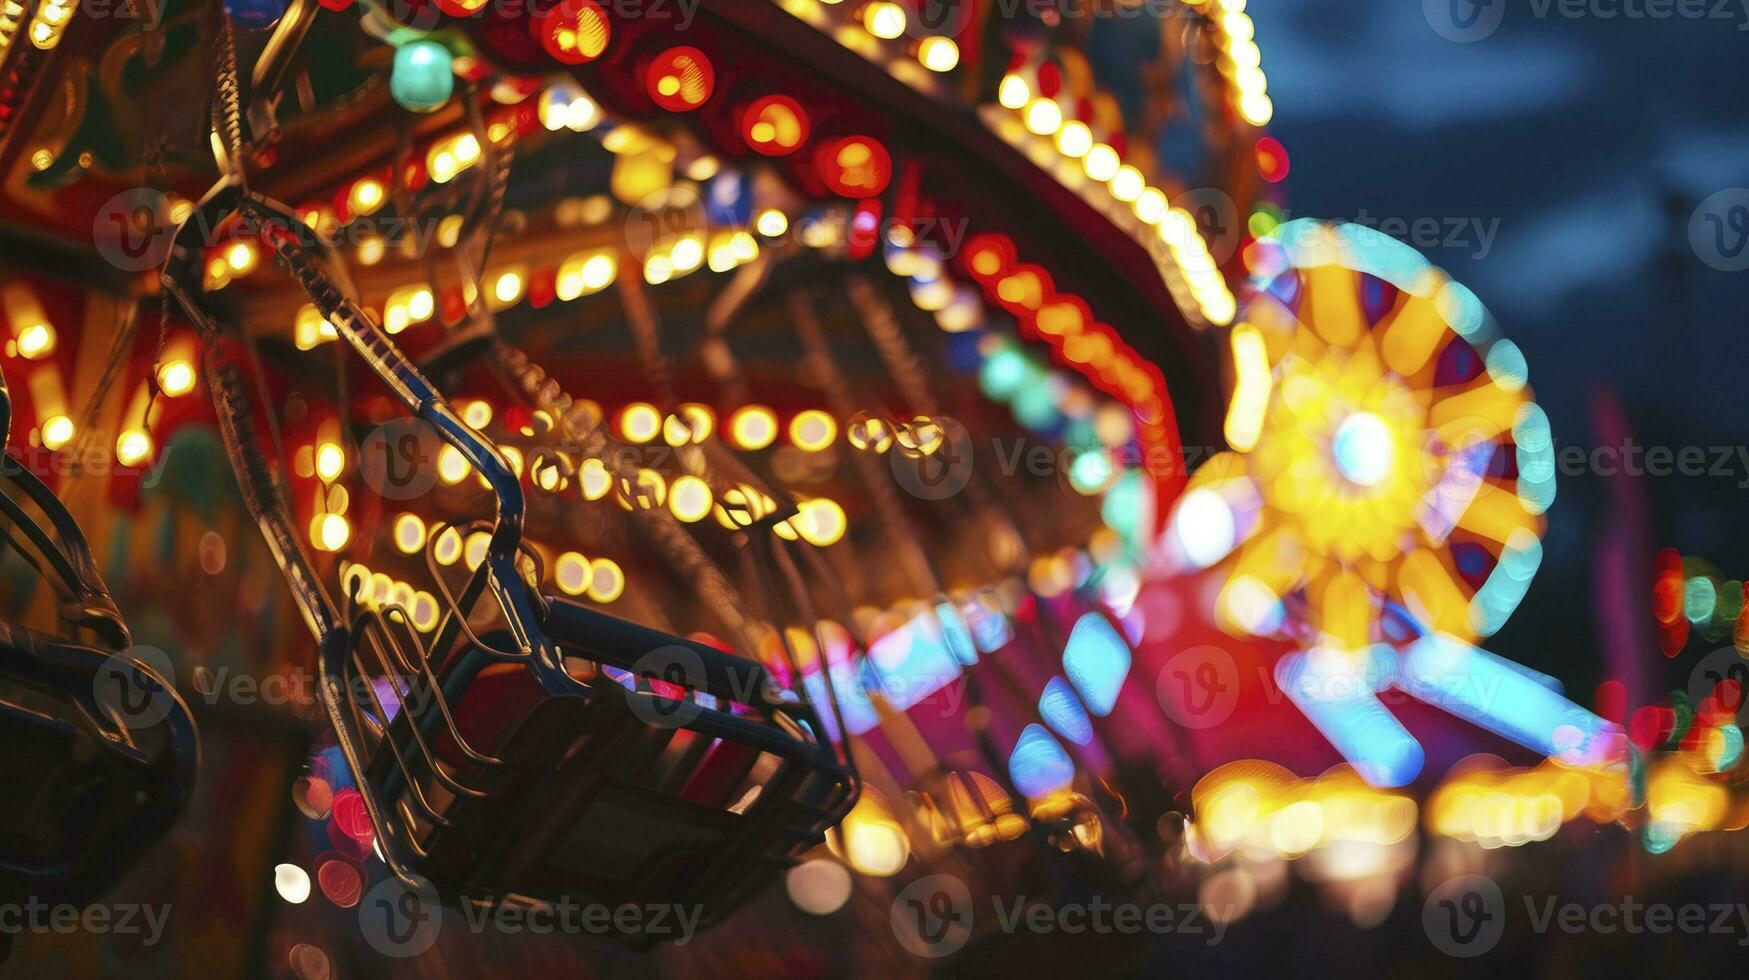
column 1386, row 486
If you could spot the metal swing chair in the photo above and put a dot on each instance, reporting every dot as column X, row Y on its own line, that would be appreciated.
column 100, row 754
column 558, row 752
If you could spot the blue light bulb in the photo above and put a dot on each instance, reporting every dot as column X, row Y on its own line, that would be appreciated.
column 423, row 78
column 255, row 14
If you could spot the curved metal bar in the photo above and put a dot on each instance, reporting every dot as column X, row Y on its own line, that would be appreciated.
column 277, row 224
column 86, row 601
column 258, row 481
column 263, row 494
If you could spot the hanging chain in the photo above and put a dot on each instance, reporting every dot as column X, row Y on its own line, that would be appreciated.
column 155, row 177
column 229, row 104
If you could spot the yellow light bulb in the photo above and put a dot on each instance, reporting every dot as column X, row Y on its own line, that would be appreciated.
column 452, row 466
column 1044, row 116
column 1074, row 139
column 57, row 431
column 753, row 427
column 1127, row 184
column 330, row 460
column 938, row 53
column 366, row 196
column 771, row 223
column 330, row 532
column 598, row 272
column 1101, row 163
column 176, row 378
column 447, row 547
column 241, row 257
column 639, row 423
column 821, row 522
column 884, row 20
column 477, row 413
column 812, row 430
column 133, row 447
column 474, row 549
column 571, row 573
column 689, row 498
column 37, row 340
column 409, row 534
column 606, row 581
column 595, row 479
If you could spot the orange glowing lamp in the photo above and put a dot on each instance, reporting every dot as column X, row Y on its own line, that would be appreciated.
column 775, row 125
column 856, row 166
column 573, row 31
column 681, row 79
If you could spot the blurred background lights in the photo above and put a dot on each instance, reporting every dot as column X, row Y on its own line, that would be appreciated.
column 409, row 534
column 680, row 79
column 36, row 341
column 57, row 431
column 775, row 125
column 689, row 498
column 133, row 447
column 938, row 54
column 818, row 887
column 571, row 573
column 292, row 883
column 640, row 422
column 1204, row 527
column 871, row 839
column 1039, row 765
column 884, row 19
column 422, row 79
column 573, row 31
column 812, row 430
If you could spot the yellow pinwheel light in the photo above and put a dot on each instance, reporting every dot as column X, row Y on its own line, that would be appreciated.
column 1385, row 448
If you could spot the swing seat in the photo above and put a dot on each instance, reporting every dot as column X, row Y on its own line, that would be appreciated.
column 91, row 789
column 606, row 786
